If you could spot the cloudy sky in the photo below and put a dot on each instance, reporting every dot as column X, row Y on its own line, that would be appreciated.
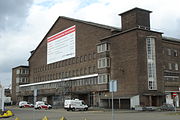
column 24, row 23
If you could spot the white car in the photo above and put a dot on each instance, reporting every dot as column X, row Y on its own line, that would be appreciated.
column 42, row 105
column 75, row 105
column 23, row 104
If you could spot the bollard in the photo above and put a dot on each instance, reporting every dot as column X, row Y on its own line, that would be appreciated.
column 17, row 118
column 62, row 118
column 45, row 118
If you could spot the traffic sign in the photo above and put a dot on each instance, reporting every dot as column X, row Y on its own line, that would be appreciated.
column 113, row 86
column 174, row 94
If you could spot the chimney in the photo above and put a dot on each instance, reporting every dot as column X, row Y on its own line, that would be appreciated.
column 135, row 17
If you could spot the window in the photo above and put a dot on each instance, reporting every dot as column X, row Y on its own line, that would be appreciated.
column 103, row 62
column 169, row 51
column 151, row 63
column 17, row 79
column 77, row 72
column 89, row 56
column 85, row 58
column 103, row 47
column 81, row 59
column 77, row 60
column 89, row 70
column 176, row 66
column 175, row 53
column 103, row 78
column 81, row 71
column 85, row 71
column 94, row 69
column 18, row 71
column 94, row 55
column 170, row 66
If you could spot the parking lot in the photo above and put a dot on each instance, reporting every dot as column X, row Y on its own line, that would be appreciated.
column 56, row 114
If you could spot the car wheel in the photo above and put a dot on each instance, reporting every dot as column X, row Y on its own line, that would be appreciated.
column 73, row 109
column 85, row 109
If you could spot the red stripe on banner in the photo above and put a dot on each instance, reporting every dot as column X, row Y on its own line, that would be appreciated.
column 61, row 34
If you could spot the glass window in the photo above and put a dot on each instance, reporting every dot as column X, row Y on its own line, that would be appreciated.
column 103, row 47
column 103, row 78
column 17, row 71
column 151, row 63
column 170, row 66
column 17, row 79
column 176, row 66
column 175, row 53
column 169, row 51
column 103, row 62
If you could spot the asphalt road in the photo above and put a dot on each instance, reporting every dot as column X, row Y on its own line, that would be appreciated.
column 56, row 114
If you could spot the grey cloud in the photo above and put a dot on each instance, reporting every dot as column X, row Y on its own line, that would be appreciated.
column 13, row 13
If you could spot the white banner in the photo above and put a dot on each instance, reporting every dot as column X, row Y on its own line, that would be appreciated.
column 62, row 45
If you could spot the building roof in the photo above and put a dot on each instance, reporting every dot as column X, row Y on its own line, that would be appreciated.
column 136, row 8
column 170, row 39
column 23, row 66
column 77, row 20
column 92, row 23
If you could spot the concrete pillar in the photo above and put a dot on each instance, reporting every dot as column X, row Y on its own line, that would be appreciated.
column 119, row 103
column 150, row 100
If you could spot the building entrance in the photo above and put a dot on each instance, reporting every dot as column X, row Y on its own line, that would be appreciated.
column 88, row 98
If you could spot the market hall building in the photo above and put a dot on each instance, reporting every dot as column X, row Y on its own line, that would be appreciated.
column 77, row 59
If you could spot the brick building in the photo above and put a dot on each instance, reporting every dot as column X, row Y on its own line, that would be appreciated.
column 77, row 59
column 20, row 76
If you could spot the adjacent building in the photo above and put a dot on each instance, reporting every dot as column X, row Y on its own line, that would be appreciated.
column 77, row 59
column 20, row 76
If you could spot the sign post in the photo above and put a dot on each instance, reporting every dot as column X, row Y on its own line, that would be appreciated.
column 112, row 88
column 175, row 100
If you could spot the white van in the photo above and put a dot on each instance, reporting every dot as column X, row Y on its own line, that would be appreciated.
column 75, row 105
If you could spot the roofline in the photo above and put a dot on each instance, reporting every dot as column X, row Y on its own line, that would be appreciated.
column 21, row 66
column 92, row 23
column 136, row 8
column 171, row 39
column 135, row 28
column 42, row 39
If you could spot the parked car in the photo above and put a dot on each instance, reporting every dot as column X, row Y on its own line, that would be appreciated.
column 42, row 105
column 167, row 107
column 23, row 104
column 75, row 105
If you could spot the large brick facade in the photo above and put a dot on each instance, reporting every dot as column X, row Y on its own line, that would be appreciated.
column 135, row 56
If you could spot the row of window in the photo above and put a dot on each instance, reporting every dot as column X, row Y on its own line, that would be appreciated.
column 173, row 66
column 171, row 52
column 21, row 80
column 171, row 78
column 103, row 78
column 103, row 47
column 22, row 71
column 65, row 63
column 71, row 73
column 103, row 62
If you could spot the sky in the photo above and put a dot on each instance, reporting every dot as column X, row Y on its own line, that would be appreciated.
column 24, row 23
